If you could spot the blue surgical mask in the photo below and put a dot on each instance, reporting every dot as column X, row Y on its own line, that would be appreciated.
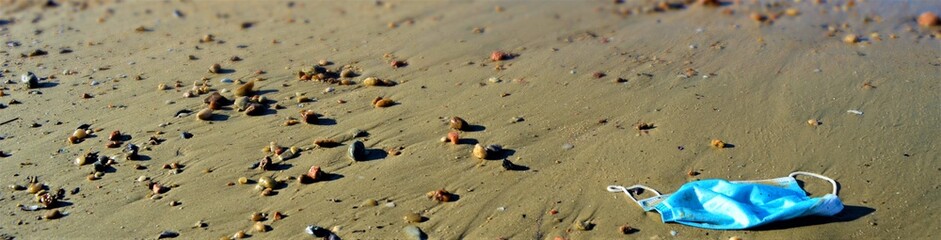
column 725, row 205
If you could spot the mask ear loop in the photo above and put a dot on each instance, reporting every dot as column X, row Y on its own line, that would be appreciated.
column 626, row 190
column 832, row 182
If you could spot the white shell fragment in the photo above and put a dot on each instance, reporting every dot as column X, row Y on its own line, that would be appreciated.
column 854, row 111
column 31, row 208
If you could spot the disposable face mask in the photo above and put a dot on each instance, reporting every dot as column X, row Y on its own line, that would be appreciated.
column 724, row 205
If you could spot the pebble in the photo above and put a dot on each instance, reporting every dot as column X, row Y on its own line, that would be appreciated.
column 54, row 214
column 673, row 233
column 186, row 135
column 851, row 38
column 357, row 151
column 494, row 80
column 390, row 204
column 853, row 111
column 318, row 231
column 167, row 234
column 226, row 80
column 370, row 203
column 328, row 90
column 412, row 218
column 413, row 232
column 94, row 83
column 567, row 146
column 266, row 182
column 260, row 227
column 516, row 119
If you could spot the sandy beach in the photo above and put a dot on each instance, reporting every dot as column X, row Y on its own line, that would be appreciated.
column 578, row 95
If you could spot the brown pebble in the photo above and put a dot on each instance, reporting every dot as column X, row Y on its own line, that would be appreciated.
column 370, row 203
column 114, row 136
column 74, row 140
column 380, row 102
column 34, row 188
column 719, row 143
column 257, row 216
column 398, row 64
column 480, row 152
column 498, row 56
column 215, row 68
column 711, row 3
column 440, row 195
column 308, row 116
column 326, row 143
column 813, row 122
column 457, row 123
column 413, row 218
column 239, row 235
column 371, row 82
column 758, row 17
column 260, row 227
column 928, row 19
column 207, row 38
column 626, row 229
column 244, row 90
column 850, row 38
column 54, row 214
column 205, row 114
column 454, row 137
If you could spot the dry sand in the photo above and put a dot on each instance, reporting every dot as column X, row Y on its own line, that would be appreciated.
column 697, row 74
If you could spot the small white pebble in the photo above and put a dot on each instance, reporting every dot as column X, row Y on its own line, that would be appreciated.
column 674, row 232
column 94, row 83
column 572, row 72
column 226, row 80
column 328, row 90
column 390, row 204
column 494, row 80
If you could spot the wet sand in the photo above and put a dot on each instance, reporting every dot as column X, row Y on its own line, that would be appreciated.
column 565, row 108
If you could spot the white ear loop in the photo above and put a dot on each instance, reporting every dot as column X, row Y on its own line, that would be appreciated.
column 626, row 190
column 832, row 182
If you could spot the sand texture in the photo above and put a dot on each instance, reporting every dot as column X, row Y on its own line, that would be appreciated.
column 585, row 94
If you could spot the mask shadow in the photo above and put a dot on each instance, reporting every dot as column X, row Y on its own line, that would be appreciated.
column 849, row 213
